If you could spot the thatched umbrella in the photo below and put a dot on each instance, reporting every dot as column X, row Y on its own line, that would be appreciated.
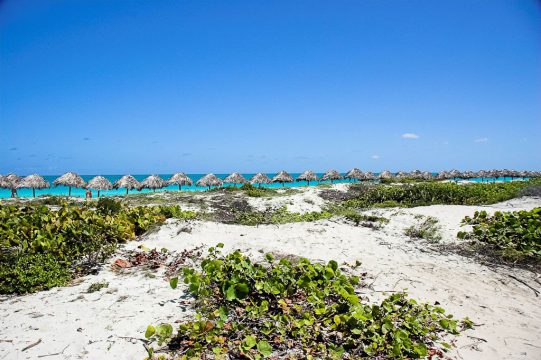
column 354, row 174
column 369, row 175
column 235, row 178
column 33, row 181
column 70, row 179
column 209, row 180
column 426, row 175
column 259, row 179
column 282, row 177
column 385, row 175
column 99, row 183
column 307, row 176
column 10, row 181
column 127, row 182
column 402, row 175
column 443, row 175
column 180, row 179
column 483, row 174
column 468, row 174
column 494, row 174
column 332, row 175
column 416, row 174
column 153, row 182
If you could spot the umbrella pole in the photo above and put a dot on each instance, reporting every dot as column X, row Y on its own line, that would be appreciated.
column 98, row 193
column 179, row 187
column 69, row 191
column 34, row 192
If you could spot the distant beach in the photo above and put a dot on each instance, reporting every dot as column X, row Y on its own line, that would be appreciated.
column 63, row 190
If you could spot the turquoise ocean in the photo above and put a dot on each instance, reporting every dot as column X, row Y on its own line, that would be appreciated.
column 63, row 190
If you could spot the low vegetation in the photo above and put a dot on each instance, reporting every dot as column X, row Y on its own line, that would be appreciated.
column 515, row 236
column 297, row 309
column 278, row 216
column 427, row 229
column 433, row 193
column 42, row 247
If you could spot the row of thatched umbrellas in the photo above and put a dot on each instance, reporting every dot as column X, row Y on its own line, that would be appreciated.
column 128, row 182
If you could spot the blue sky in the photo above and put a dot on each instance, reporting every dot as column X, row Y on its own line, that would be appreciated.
column 114, row 87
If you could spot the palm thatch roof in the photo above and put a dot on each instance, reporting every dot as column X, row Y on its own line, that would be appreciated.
column 369, row 176
column 33, row 181
column 469, row 175
column 70, row 179
column 180, row 179
column 308, row 176
column 442, row 175
column 153, row 182
column 282, row 177
column 260, row 178
column 235, row 178
column 455, row 174
column 10, row 181
column 426, row 175
column 416, row 174
column 332, row 175
column 402, row 175
column 354, row 174
column 99, row 183
column 209, row 180
column 127, row 182
column 385, row 174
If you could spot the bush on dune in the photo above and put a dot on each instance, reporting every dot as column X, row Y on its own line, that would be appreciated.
column 304, row 309
column 36, row 240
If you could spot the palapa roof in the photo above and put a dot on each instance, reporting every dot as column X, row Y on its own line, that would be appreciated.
column 235, row 178
column 282, row 177
column 455, row 173
column 9, row 181
column 385, row 174
column 99, row 183
column 209, row 180
column 127, row 182
column 354, row 174
column 402, row 174
column 260, row 178
column 426, row 175
column 308, row 175
column 332, row 175
column 180, row 179
column 70, row 179
column 153, row 182
column 369, row 175
column 34, row 181
column 442, row 175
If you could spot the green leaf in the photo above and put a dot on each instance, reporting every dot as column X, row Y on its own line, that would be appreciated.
column 150, row 331
column 173, row 282
column 249, row 342
column 241, row 291
column 264, row 348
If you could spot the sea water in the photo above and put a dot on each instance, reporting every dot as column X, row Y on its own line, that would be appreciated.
column 63, row 190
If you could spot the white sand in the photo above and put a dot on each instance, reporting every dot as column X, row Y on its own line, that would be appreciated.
column 108, row 324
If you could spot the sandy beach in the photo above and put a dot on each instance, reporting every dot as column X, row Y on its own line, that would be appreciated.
column 70, row 323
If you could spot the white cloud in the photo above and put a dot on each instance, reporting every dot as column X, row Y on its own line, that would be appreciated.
column 410, row 136
column 375, row 157
column 481, row 140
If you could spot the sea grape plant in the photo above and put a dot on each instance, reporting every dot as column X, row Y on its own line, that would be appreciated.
column 301, row 308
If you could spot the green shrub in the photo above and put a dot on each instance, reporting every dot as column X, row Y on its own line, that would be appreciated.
column 428, row 229
column 431, row 193
column 278, row 216
column 108, row 206
column 252, row 310
column 22, row 273
column 515, row 235
column 76, row 237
